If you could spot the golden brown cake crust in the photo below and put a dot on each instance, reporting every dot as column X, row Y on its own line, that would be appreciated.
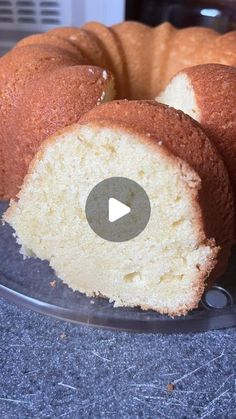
column 51, row 39
column 142, row 60
column 214, row 87
column 17, row 68
column 112, row 47
column 184, row 138
column 85, row 42
column 137, row 59
column 76, row 89
column 168, row 50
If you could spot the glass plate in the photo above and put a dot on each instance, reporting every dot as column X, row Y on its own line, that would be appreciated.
column 33, row 284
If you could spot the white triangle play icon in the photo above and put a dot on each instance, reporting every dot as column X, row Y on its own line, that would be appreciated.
column 116, row 210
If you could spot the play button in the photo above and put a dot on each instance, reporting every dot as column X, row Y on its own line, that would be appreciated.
column 117, row 209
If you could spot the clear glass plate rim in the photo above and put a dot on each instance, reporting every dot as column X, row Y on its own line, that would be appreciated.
column 215, row 319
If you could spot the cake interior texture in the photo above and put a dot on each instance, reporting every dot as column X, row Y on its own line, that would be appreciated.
column 179, row 94
column 164, row 268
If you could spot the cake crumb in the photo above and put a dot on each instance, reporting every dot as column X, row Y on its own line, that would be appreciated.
column 63, row 336
column 100, row 100
column 104, row 74
column 53, row 283
column 170, row 387
column 91, row 70
column 103, row 95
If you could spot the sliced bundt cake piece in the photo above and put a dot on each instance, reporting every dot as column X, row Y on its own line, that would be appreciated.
column 208, row 94
column 187, row 240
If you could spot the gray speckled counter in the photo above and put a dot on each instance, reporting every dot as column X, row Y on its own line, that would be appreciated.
column 52, row 369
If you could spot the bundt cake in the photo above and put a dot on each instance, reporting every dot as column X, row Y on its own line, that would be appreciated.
column 49, row 80
column 187, row 240
column 208, row 94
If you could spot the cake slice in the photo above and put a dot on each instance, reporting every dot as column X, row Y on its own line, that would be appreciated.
column 208, row 94
column 187, row 240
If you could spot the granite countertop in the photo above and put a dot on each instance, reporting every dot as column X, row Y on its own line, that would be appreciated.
column 53, row 369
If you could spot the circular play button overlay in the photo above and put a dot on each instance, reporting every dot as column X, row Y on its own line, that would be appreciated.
column 118, row 209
